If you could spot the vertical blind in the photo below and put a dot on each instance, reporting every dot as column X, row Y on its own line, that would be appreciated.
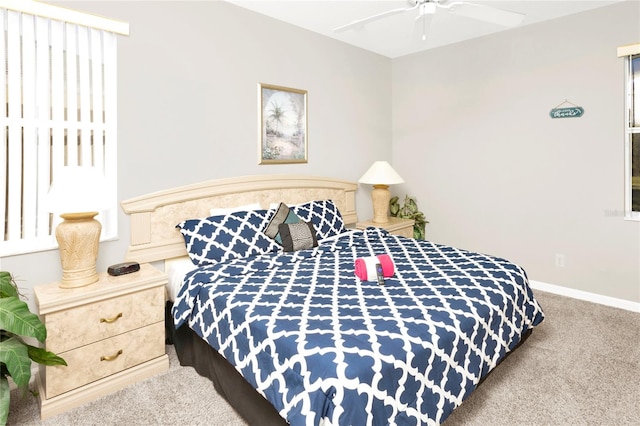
column 59, row 91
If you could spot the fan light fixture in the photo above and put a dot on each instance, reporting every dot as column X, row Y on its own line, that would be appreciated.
column 426, row 12
column 381, row 175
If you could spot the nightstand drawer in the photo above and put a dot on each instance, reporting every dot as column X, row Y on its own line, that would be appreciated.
column 80, row 326
column 104, row 358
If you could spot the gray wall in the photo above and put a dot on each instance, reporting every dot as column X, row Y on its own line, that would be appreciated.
column 494, row 173
column 466, row 125
column 188, row 77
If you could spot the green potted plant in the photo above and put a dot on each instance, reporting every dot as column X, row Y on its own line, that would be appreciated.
column 409, row 210
column 16, row 323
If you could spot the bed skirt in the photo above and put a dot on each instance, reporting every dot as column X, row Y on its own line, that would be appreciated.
column 195, row 352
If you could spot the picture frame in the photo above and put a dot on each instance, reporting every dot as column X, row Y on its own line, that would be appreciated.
column 282, row 124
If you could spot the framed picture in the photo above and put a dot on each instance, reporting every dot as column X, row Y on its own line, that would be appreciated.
column 283, row 124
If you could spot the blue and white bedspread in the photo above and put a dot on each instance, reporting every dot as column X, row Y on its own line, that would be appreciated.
column 325, row 348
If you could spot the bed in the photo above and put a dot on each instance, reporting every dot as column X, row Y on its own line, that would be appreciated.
column 294, row 336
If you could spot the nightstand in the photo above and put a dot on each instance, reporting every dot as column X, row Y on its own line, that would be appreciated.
column 110, row 333
column 395, row 225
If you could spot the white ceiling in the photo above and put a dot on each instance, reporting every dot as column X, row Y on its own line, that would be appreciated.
column 393, row 36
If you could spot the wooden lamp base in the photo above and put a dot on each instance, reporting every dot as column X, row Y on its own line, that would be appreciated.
column 78, row 238
column 380, row 196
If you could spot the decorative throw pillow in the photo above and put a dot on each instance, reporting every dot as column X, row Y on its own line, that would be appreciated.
column 297, row 236
column 282, row 215
column 225, row 237
column 324, row 216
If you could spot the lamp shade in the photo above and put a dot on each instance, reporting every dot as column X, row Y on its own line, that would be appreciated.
column 77, row 189
column 381, row 173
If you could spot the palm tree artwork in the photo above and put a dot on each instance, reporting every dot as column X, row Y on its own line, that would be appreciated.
column 283, row 125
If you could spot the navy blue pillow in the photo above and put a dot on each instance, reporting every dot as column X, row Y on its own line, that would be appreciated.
column 324, row 216
column 225, row 237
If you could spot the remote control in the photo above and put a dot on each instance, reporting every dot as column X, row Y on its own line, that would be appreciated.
column 379, row 273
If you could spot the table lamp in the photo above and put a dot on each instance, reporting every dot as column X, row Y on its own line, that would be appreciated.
column 381, row 175
column 77, row 194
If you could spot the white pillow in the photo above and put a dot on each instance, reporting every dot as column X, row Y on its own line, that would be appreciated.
column 227, row 210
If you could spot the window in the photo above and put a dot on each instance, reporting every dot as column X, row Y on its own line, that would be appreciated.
column 631, row 53
column 58, row 87
column 632, row 149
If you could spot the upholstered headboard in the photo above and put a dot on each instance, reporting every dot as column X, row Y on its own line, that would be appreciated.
column 154, row 216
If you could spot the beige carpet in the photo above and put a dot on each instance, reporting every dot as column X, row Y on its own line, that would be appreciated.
column 581, row 366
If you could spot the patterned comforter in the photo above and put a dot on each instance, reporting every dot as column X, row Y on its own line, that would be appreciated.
column 326, row 348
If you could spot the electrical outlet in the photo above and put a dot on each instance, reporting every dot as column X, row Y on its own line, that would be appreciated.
column 559, row 260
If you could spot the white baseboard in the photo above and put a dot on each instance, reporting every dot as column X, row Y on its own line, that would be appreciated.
column 584, row 295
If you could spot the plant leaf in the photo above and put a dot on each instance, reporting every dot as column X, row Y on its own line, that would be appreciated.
column 44, row 357
column 394, row 207
column 7, row 286
column 412, row 206
column 16, row 318
column 409, row 210
column 15, row 356
column 5, row 395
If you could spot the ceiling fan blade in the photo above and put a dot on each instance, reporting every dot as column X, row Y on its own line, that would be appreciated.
column 486, row 13
column 372, row 18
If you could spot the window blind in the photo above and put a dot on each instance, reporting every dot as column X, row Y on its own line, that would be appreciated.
column 58, row 84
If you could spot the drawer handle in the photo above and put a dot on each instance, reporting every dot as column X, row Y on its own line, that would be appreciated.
column 110, row 320
column 112, row 357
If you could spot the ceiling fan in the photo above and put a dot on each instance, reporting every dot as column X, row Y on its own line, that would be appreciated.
column 427, row 9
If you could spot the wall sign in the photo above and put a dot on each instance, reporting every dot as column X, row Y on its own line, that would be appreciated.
column 568, row 111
